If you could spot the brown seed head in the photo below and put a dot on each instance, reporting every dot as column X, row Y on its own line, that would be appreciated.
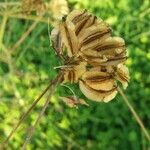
column 89, row 42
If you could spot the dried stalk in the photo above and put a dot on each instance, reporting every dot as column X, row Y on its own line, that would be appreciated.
column 11, row 71
column 5, row 4
column 24, row 36
column 2, row 29
column 26, row 17
column 139, row 121
column 32, row 129
column 3, row 145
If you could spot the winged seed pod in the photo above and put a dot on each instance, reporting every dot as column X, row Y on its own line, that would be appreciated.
column 73, row 73
column 98, row 86
column 73, row 102
column 122, row 75
column 93, row 57
column 57, row 41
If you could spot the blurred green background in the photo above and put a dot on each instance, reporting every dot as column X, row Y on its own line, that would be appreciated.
column 25, row 72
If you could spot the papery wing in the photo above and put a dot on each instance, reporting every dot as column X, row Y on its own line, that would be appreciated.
column 93, row 36
column 111, row 46
column 99, row 80
column 82, row 20
column 72, row 75
column 69, row 39
column 69, row 101
column 97, row 95
column 123, row 75
column 57, row 40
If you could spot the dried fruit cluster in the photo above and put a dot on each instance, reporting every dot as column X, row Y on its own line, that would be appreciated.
column 56, row 8
column 94, row 58
column 29, row 6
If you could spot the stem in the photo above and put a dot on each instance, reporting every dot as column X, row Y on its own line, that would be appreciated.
column 24, row 36
column 32, row 129
column 5, row 4
column 139, row 121
column 11, row 71
column 26, row 17
column 2, row 29
column 26, row 113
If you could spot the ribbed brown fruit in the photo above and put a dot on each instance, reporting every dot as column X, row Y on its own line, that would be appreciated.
column 69, row 39
column 97, row 95
column 72, row 74
column 100, row 56
column 122, row 75
column 57, row 40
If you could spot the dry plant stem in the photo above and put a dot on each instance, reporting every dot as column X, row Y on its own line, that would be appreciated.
column 26, row 113
column 8, row 55
column 24, row 36
column 32, row 128
column 134, row 114
column 29, row 135
column 2, row 29
column 11, row 71
column 5, row 4
column 26, row 17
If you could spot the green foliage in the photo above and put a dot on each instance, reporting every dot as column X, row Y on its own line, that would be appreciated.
column 101, row 126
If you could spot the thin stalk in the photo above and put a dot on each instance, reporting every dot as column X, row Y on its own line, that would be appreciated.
column 11, row 71
column 24, row 36
column 26, row 17
column 2, row 29
column 3, row 145
column 5, row 4
column 21, row 54
column 32, row 129
column 137, row 118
